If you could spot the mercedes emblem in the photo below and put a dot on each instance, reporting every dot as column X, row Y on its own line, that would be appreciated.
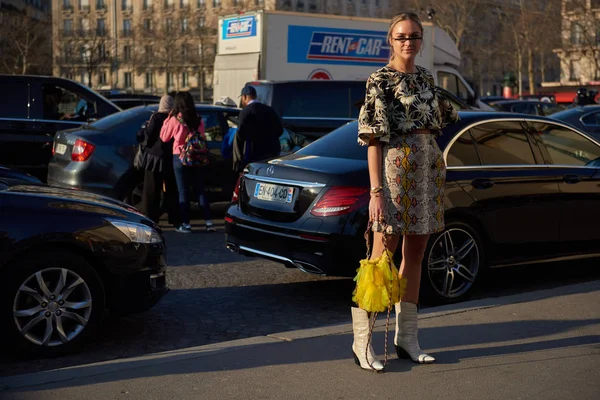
column 270, row 170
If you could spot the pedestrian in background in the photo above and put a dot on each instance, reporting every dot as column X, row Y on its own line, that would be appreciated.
column 402, row 115
column 182, row 120
column 158, row 167
column 259, row 129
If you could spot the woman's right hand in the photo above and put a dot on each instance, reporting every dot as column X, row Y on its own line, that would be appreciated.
column 376, row 208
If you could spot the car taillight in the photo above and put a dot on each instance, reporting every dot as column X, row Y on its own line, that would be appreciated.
column 340, row 200
column 82, row 150
column 235, row 198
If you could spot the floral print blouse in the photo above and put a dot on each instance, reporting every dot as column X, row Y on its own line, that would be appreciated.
column 397, row 103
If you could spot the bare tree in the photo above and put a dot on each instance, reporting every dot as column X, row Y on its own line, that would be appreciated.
column 25, row 44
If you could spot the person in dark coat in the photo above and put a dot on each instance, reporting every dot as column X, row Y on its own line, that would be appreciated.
column 158, row 167
column 259, row 129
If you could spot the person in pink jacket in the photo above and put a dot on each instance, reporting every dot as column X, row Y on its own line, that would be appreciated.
column 177, row 126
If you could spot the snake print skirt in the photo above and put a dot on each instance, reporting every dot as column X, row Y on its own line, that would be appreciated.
column 413, row 178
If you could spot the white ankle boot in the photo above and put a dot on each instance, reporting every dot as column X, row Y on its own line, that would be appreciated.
column 360, row 326
column 406, row 339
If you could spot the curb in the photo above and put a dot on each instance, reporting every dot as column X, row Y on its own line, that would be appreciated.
column 75, row 372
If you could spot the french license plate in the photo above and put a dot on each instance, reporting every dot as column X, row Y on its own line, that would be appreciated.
column 60, row 148
column 268, row 192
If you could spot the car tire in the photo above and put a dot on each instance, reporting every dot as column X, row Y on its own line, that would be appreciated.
column 50, row 304
column 453, row 266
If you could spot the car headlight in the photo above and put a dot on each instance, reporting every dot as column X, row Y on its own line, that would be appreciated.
column 137, row 233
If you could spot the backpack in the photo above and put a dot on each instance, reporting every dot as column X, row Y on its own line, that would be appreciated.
column 194, row 152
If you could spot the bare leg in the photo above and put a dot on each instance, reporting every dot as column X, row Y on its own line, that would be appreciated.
column 392, row 244
column 413, row 251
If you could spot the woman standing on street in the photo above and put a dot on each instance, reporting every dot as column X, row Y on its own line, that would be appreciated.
column 158, row 166
column 401, row 116
column 183, row 120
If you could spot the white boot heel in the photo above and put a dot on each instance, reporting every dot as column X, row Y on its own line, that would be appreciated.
column 363, row 357
column 406, row 340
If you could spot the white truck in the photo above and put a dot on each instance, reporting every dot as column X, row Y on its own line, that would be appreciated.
column 283, row 46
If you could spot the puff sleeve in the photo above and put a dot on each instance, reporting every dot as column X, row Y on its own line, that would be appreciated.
column 373, row 119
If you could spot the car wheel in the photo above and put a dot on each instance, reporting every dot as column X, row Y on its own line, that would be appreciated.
column 134, row 197
column 453, row 264
column 52, row 302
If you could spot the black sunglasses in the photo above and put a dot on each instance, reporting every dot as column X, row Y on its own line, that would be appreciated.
column 412, row 38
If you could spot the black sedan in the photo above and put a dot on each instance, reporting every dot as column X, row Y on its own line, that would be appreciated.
column 533, row 107
column 520, row 189
column 585, row 118
column 67, row 256
column 98, row 157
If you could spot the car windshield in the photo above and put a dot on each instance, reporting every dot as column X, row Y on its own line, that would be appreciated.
column 341, row 143
column 122, row 117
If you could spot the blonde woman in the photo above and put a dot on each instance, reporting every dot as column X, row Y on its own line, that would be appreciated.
column 401, row 116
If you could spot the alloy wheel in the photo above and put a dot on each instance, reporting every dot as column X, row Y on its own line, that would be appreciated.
column 453, row 263
column 52, row 307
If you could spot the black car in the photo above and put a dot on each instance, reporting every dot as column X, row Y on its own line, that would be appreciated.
column 313, row 108
column 533, row 107
column 14, row 175
column 66, row 256
column 520, row 189
column 585, row 118
column 98, row 157
column 33, row 109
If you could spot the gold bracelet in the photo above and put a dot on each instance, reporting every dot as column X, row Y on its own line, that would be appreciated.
column 376, row 189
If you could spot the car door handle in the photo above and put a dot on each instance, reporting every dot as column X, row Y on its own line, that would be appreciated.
column 482, row 183
column 572, row 178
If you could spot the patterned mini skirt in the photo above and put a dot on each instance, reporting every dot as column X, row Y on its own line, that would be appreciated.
column 413, row 181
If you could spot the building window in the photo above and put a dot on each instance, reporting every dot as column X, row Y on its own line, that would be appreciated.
column 169, row 4
column 147, row 25
column 260, row 2
column 216, row 3
column 84, row 25
column 126, row 27
column 201, row 3
column 184, row 3
column 126, row 5
column 102, row 78
column 68, row 26
column 595, row 4
column 126, row 53
column 184, row 53
column 576, row 34
column 101, row 27
column 149, row 82
column 184, row 25
column 201, row 22
column 300, row 5
column 185, row 79
column 147, row 5
column 128, row 79
column 67, row 5
column 170, row 80
column 200, row 49
column 102, row 51
column 148, row 53
column 84, row 5
column 572, row 76
column 100, row 5
column 169, row 25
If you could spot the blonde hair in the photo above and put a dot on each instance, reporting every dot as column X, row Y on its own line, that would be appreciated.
column 403, row 16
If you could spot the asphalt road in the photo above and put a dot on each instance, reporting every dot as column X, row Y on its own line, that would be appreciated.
column 219, row 296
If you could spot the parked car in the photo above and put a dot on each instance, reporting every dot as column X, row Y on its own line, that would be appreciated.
column 520, row 189
column 15, row 175
column 585, row 118
column 129, row 100
column 532, row 107
column 98, row 157
column 33, row 109
column 66, row 256
column 314, row 108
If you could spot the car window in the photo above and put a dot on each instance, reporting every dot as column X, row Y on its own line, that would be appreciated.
column 212, row 126
column 503, row 143
column 123, row 117
column 463, row 92
column 524, row 108
column 565, row 146
column 550, row 108
column 340, row 143
column 263, row 93
column 463, row 152
column 62, row 104
column 14, row 105
column 313, row 100
column 448, row 82
column 591, row 119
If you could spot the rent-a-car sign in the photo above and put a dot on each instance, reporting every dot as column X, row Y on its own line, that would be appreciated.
column 318, row 45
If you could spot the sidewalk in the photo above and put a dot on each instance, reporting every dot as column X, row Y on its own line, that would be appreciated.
column 539, row 345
